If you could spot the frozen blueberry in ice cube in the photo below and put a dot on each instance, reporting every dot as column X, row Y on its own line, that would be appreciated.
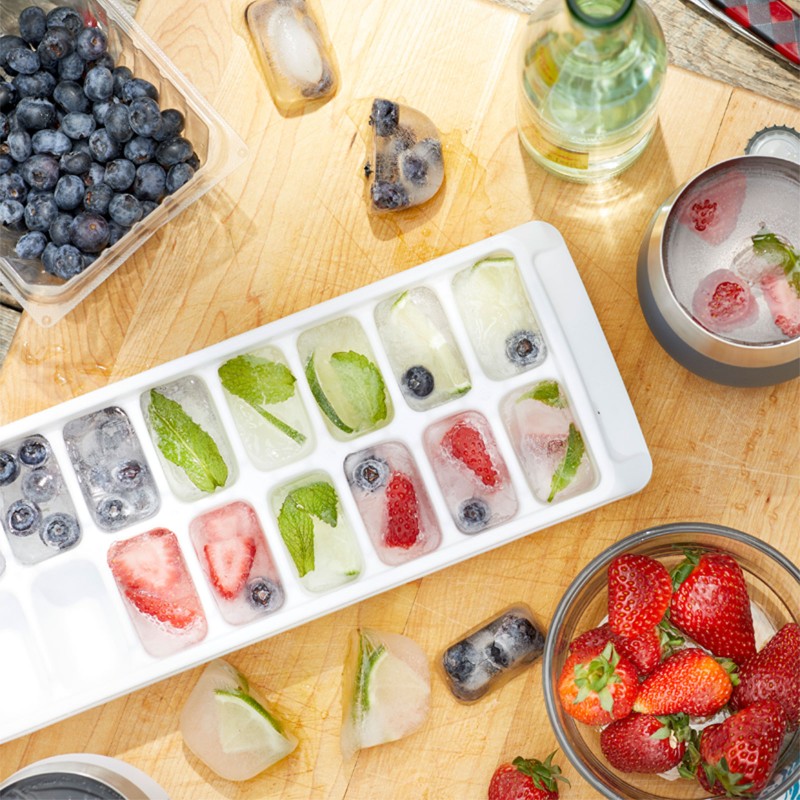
column 516, row 639
column 389, row 196
column 9, row 469
column 264, row 595
column 33, row 452
column 112, row 513
column 418, row 380
column 473, row 515
column 384, row 117
column 130, row 474
column 23, row 518
column 460, row 661
column 523, row 347
column 60, row 531
column 371, row 473
column 40, row 485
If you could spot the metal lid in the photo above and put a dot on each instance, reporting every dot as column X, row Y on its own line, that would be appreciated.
column 779, row 141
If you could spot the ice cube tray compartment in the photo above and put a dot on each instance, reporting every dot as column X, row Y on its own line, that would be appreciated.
column 35, row 620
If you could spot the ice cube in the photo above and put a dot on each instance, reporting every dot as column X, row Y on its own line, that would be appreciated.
column 783, row 303
column 723, row 302
column 294, row 51
column 548, row 442
column 385, row 689
column 158, row 591
column 498, row 317
column 711, row 209
column 237, row 562
column 407, row 167
column 471, row 472
column 230, row 727
column 491, row 653
column 112, row 470
column 393, row 503
column 421, row 347
column 2, row 564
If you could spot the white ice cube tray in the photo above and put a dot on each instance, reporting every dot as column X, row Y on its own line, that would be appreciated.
column 66, row 641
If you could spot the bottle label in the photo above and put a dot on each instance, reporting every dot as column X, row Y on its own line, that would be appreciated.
column 574, row 159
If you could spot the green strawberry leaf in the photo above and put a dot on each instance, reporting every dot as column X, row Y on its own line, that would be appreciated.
column 566, row 470
column 774, row 248
column 261, row 382
column 547, row 392
column 362, row 385
column 543, row 774
column 184, row 443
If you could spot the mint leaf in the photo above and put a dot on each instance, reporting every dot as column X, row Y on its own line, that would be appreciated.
column 547, row 392
column 362, row 384
column 261, row 382
column 183, row 442
column 565, row 471
column 774, row 248
column 318, row 499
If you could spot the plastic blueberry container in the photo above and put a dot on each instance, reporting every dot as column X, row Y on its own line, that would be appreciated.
column 220, row 150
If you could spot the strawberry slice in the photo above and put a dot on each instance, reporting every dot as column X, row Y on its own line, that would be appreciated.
column 783, row 303
column 465, row 444
column 723, row 301
column 402, row 512
column 230, row 560
column 151, row 562
column 712, row 209
column 639, row 591
column 164, row 609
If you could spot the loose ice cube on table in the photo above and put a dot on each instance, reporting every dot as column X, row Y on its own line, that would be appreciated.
column 407, row 167
column 547, row 440
column 159, row 595
column 316, row 532
column 491, row 653
column 236, row 560
column 266, row 407
column 498, row 317
column 230, row 728
column 385, row 689
column 394, row 505
column 294, row 51
column 471, row 471
column 112, row 471
column 192, row 446
column 37, row 512
column 421, row 347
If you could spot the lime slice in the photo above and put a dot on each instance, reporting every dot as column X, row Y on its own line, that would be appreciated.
column 497, row 285
column 245, row 725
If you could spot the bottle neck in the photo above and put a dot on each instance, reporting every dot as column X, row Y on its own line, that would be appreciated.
column 600, row 15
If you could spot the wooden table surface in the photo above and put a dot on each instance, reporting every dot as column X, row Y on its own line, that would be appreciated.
column 290, row 229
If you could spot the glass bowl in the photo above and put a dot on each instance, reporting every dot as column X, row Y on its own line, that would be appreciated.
column 773, row 584
column 218, row 148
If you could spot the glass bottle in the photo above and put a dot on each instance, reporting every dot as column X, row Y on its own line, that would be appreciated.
column 591, row 75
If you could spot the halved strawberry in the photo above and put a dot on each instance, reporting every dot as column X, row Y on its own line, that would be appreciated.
column 229, row 560
column 643, row 650
column 151, row 562
column 712, row 209
column 165, row 609
column 465, row 444
column 639, row 591
column 402, row 512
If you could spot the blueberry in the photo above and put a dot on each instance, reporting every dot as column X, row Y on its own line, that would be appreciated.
column 78, row 126
column 145, row 116
column 148, row 207
column 193, row 161
column 40, row 84
column 172, row 123
column 71, row 67
column 89, row 232
column 121, row 76
column 40, row 485
column 91, row 44
column 460, row 661
column 8, row 95
column 389, row 196
column 60, row 531
column 98, row 84
column 30, row 245
column 473, row 515
column 95, row 174
column 137, row 87
column 35, row 113
column 40, row 212
column 113, row 513
column 75, row 162
column 515, row 639
column 5, row 127
column 22, row 518
column 48, row 256
column 8, row 468
column 140, row 150
column 116, row 232
column 20, row 147
column 70, row 97
column 119, row 174
column 32, row 24
column 6, row 162
column 173, row 151
column 118, row 124
column 33, row 452
column 415, row 169
column 55, row 45
column 384, row 117
column 130, row 474
column 13, row 187
column 150, row 182
column 40, row 172
column 97, row 198
column 371, row 473
column 106, row 61
column 101, row 110
column 59, row 229
column 97, row 476
column 264, row 594
column 524, row 348
column 68, row 262
column 103, row 147
column 23, row 60
column 113, row 432
column 418, row 381
column 7, row 44
column 11, row 212
column 177, row 176
column 54, row 143
column 65, row 17
column 125, row 209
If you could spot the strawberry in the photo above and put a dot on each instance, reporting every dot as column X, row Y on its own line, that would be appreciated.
column 639, row 591
column 712, row 209
column 526, row 779
column 738, row 756
column 773, row 674
column 723, row 301
column 690, row 682
column 465, row 444
column 229, row 560
column 164, row 609
column 711, row 605
column 644, row 743
column 598, row 685
column 643, row 650
column 783, row 303
column 402, row 512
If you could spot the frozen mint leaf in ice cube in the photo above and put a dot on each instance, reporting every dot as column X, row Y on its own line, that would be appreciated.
column 261, row 382
column 183, row 442
column 547, row 392
column 318, row 499
column 565, row 471
column 773, row 247
column 362, row 384
column 297, row 526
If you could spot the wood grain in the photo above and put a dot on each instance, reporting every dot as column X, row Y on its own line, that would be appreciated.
column 290, row 229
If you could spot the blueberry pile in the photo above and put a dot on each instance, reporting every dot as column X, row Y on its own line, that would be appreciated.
column 85, row 149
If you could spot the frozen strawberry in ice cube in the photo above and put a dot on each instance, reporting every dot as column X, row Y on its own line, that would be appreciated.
column 783, row 303
column 712, row 209
column 724, row 302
